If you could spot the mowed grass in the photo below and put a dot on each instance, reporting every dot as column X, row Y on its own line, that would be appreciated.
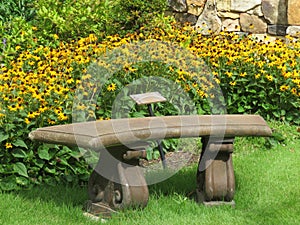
column 267, row 192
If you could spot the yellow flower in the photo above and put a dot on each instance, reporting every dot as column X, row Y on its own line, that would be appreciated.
column 32, row 115
column 243, row 74
column 70, row 81
column 112, row 87
column 294, row 91
column 8, row 145
column 86, row 77
column 55, row 36
column 43, row 108
column 129, row 68
column 12, row 108
column 187, row 87
column 269, row 77
column 51, row 122
column 217, row 80
column 81, row 107
column 232, row 83
column 284, row 87
column 201, row 93
column 62, row 116
column 31, row 63
column 229, row 74
column 27, row 121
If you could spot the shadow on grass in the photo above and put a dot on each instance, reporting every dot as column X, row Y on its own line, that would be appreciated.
column 182, row 183
column 61, row 194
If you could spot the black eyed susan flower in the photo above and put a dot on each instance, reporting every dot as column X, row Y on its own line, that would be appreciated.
column 111, row 87
column 8, row 145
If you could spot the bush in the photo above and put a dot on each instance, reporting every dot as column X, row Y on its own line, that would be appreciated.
column 130, row 15
column 71, row 19
column 74, row 19
column 16, row 8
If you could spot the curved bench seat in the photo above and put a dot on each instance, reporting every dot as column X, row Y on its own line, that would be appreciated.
column 98, row 134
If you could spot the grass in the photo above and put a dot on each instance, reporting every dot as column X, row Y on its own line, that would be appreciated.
column 267, row 192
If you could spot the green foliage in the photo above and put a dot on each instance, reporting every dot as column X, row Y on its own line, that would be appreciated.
column 43, row 164
column 73, row 19
column 130, row 15
column 15, row 32
column 69, row 19
column 16, row 8
column 265, row 96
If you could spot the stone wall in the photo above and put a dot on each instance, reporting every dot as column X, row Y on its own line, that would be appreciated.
column 274, row 17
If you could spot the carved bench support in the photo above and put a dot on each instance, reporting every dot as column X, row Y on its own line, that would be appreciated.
column 121, row 183
column 215, row 175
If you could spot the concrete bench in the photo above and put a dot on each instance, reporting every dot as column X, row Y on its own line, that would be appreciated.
column 121, row 183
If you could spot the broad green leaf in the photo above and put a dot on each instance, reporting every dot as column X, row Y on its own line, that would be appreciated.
column 22, row 181
column 43, row 153
column 40, row 163
column 276, row 114
column 3, row 137
column 21, row 169
column 48, row 170
column 10, row 126
column 241, row 109
column 8, row 183
column 19, row 153
column 19, row 143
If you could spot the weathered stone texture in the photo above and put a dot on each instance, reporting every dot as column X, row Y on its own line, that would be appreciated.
column 278, row 30
column 244, row 6
column 293, row 12
column 186, row 18
column 263, row 38
column 274, row 11
column 252, row 24
column 178, row 5
column 209, row 22
column 252, row 16
column 293, row 31
column 257, row 11
column 223, row 5
column 195, row 7
column 231, row 25
column 230, row 15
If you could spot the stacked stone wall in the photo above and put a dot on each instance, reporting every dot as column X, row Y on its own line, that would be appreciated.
column 274, row 17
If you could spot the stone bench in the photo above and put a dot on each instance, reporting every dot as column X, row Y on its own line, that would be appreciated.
column 118, row 182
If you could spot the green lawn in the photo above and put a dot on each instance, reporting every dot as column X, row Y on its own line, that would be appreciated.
column 267, row 192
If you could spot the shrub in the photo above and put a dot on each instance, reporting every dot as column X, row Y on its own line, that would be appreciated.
column 74, row 19
column 71, row 19
column 20, row 8
column 16, row 32
column 130, row 15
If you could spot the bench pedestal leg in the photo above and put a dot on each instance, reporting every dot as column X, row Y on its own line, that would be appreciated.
column 215, row 175
column 120, row 185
